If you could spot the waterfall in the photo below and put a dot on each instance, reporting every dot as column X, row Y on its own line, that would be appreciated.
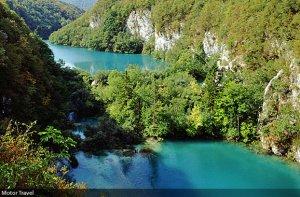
column 72, row 117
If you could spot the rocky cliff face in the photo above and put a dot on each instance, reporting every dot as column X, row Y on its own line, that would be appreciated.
column 213, row 47
column 289, row 97
column 94, row 22
column 139, row 23
column 295, row 82
column 298, row 155
column 165, row 42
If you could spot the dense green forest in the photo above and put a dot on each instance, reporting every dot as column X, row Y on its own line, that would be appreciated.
column 45, row 16
column 84, row 5
column 110, row 35
column 196, row 95
column 35, row 92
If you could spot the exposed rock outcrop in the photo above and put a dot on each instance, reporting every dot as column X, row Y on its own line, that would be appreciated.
column 139, row 23
column 165, row 42
column 295, row 82
column 297, row 155
column 268, row 91
column 95, row 22
column 287, row 97
column 283, row 51
column 212, row 46
column 270, row 145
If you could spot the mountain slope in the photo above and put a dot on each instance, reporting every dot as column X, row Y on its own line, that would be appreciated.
column 32, row 90
column 32, row 85
column 247, row 53
column 102, row 28
column 45, row 16
column 84, row 5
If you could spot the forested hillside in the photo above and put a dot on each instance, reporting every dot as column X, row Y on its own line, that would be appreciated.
column 34, row 93
column 82, row 4
column 233, row 67
column 45, row 16
column 102, row 28
column 232, row 73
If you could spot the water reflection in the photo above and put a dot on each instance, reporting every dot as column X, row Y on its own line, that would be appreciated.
column 182, row 164
column 185, row 165
column 119, row 172
column 92, row 69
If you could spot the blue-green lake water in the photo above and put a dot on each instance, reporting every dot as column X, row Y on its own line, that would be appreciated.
column 175, row 164
column 93, row 61
column 186, row 165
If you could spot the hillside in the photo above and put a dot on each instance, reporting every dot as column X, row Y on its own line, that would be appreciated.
column 28, row 71
column 246, row 52
column 84, row 5
column 102, row 28
column 33, row 94
column 45, row 16
column 232, row 73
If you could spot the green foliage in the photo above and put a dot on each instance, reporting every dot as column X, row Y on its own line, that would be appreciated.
column 170, row 14
column 235, row 106
column 149, row 103
column 249, row 28
column 109, row 34
column 31, row 82
column 188, row 98
column 124, row 42
column 285, row 127
column 45, row 16
column 53, row 138
column 23, row 164
column 248, row 132
column 192, row 97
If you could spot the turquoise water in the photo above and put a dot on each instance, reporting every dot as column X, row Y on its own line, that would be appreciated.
column 186, row 165
column 93, row 61
column 176, row 164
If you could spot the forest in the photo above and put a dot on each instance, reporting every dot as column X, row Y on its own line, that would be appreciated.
column 45, row 16
column 228, row 105
column 193, row 97
column 34, row 94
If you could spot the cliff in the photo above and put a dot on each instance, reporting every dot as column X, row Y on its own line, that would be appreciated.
column 254, row 46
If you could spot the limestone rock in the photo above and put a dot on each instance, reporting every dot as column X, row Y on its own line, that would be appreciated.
column 139, row 23
column 94, row 22
column 297, row 155
column 165, row 42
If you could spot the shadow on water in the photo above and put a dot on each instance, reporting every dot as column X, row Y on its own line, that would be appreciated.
column 114, row 171
column 136, row 176
column 172, row 174
column 217, row 168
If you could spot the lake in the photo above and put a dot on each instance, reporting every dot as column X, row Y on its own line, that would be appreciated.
column 93, row 61
column 186, row 165
column 175, row 164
